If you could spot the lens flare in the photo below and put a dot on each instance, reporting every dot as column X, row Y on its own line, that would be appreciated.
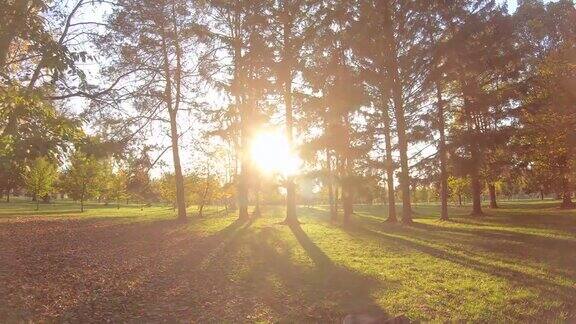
column 271, row 153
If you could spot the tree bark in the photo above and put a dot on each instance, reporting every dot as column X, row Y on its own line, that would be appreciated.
column 347, row 185
column 243, row 175
column 474, row 154
column 172, row 112
column 393, row 71
column 291, row 216
column 336, row 193
column 389, row 162
column 476, row 193
column 347, row 195
column 492, row 192
column 244, row 169
column 330, row 184
column 443, row 155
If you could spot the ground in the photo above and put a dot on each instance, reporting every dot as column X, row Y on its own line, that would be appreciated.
column 517, row 264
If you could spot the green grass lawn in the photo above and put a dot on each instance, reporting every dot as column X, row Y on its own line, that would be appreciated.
column 518, row 263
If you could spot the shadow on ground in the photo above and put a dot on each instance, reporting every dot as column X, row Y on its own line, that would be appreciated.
column 118, row 270
column 218, row 269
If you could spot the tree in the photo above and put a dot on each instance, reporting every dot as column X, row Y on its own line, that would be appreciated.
column 40, row 178
column 333, row 77
column 459, row 187
column 392, row 26
column 167, row 189
column 547, row 36
column 294, row 24
column 483, row 63
column 394, row 51
column 83, row 179
column 240, row 30
column 203, row 190
column 39, row 130
column 40, row 47
column 154, row 43
column 115, row 188
column 372, row 57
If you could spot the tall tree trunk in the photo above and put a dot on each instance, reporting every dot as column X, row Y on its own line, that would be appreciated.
column 239, row 101
column 347, row 185
column 541, row 194
column 243, row 178
column 475, row 182
column 460, row 199
column 389, row 161
column 393, row 71
column 336, row 193
column 330, row 184
column 443, row 155
column 347, row 195
column 291, row 216
column 172, row 107
column 492, row 192
column 474, row 151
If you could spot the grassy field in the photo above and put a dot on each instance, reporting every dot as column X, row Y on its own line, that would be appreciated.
column 517, row 264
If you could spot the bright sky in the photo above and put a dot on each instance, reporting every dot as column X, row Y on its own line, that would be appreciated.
column 512, row 4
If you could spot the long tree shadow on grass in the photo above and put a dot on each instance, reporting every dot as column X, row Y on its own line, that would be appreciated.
column 340, row 281
column 539, row 219
column 254, row 273
column 402, row 236
column 498, row 244
column 559, row 253
column 320, row 258
column 554, row 242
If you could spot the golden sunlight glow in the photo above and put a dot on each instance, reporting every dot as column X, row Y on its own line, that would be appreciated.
column 271, row 153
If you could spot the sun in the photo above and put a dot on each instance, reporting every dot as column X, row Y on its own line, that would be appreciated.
column 271, row 153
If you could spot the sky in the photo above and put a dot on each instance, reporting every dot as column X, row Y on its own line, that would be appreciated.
column 512, row 4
